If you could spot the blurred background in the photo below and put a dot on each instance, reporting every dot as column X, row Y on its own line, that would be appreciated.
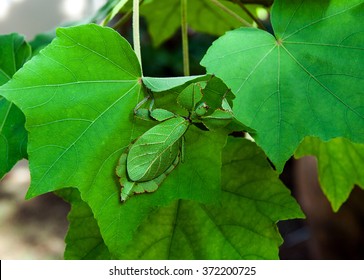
column 30, row 17
column 35, row 229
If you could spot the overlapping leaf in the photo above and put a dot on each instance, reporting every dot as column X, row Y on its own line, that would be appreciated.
column 242, row 226
column 78, row 96
column 297, row 83
column 340, row 166
column 13, row 137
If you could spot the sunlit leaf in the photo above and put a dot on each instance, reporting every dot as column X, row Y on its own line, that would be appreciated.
column 297, row 83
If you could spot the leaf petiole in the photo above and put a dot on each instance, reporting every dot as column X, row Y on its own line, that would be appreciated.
column 230, row 12
column 184, row 27
column 136, row 32
column 254, row 18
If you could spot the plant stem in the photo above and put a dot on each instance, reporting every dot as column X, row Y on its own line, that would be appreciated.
column 184, row 27
column 136, row 31
column 230, row 12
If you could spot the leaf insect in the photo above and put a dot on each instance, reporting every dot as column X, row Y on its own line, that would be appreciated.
column 145, row 164
column 148, row 160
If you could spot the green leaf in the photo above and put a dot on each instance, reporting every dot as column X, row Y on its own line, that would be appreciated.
column 163, row 84
column 163, row 17
column 83, row 240
column 340, row 166
column 14, row 52
column 78, row 96
column 287, row 86
column 241, row 226
column 42, row 40
column 73, row 89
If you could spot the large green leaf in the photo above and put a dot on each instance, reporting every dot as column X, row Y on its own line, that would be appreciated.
column 340, row 166
column 69, row 93
column 78, row 95
column 14, row 52
column 307, row 79
column 83, row 240
column 242, row 226
column 164, row 17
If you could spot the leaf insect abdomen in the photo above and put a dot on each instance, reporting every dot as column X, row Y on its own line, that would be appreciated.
column 155, row 151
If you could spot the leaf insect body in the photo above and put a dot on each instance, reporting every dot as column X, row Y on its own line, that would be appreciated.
column 147, row 162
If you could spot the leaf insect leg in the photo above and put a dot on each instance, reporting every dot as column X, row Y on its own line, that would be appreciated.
column 141, row 103
column 142, row 112
column 183, row 149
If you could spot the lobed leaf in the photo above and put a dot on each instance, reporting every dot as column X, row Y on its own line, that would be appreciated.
column 288, row 85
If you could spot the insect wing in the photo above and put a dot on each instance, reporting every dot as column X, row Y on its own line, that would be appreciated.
column 161, row 114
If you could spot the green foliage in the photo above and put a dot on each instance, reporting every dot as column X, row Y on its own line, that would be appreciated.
column 288, row 85
column 92, row 138
column 340, row 166
column 241, row 226
column 85, row 100
column 228, row 230
column 13, row 137
column 164, row 17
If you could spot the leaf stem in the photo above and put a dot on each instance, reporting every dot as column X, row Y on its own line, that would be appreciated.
column 122, row 20
column 136, row 31
column 230, row 12
column 246, row 10
column 184, row 27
